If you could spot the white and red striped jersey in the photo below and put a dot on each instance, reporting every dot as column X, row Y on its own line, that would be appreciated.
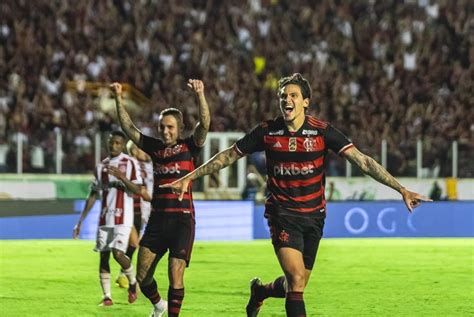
column 117, row 202
column 147, row 175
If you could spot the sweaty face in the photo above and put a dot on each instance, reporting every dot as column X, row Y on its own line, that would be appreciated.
column 169, row 130
column 116, row 145
column 292, row 104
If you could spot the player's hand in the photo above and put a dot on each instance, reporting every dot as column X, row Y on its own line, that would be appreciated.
column 116, row 89
column 178, row 187
column 112, row 170
column 196, row 85
column 75, row 231
column 412, row 199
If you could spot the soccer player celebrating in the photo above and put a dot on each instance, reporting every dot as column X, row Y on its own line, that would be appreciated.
column 116, row 178
column 171, row 224
column 295, row 146
column 141, row 207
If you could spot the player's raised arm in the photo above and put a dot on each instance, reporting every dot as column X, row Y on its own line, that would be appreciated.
column 216, row 163
column 202, row 126
column 125, row 122
column 370, row 167
column 88, row 206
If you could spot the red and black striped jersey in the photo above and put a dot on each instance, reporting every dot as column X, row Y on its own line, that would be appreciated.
column 170, row 164
column 295, row 161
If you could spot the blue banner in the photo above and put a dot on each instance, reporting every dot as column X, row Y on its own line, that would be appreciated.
column 389, row 219
column 241, row 220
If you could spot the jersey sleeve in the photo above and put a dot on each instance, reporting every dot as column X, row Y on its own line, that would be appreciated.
column 193, row 148
column 149, row 144
column 95, row 183
column 336, row 140
column 251, row 142
column 136, row 174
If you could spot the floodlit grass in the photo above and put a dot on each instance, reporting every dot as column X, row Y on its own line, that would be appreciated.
column 352, row 277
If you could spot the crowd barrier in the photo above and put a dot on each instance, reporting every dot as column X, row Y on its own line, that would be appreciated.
column 242, row 220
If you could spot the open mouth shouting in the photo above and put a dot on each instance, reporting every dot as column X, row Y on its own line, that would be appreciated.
column 288, row 110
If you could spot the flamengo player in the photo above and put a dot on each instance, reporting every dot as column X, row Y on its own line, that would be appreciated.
column 115, row 177
column 295, row 146
column 171, row 225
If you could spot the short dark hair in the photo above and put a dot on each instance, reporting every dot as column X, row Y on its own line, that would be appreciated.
column 118, row 133
column 176, row 113
column 296, row 79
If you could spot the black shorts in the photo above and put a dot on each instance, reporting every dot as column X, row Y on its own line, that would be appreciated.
column 296, row 232
column 137, row 222
column 170, row 231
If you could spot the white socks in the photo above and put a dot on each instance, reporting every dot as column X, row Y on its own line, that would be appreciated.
column 130, row 275
column 105, row 283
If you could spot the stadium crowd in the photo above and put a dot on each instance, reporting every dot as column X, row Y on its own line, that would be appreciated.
column 394, row 70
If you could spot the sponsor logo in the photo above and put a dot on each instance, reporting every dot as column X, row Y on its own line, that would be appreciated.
column 174, row 169
column 310, row 132
column 277, row 144
column 309, row 144
column 292, row 145
column 293, row 170
column 278, row 132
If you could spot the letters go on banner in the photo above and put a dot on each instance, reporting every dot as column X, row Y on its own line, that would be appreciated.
column 389, row 219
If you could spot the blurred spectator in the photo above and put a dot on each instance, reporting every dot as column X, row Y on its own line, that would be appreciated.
column 4, row 148
column 435, row 192
column 394, row 70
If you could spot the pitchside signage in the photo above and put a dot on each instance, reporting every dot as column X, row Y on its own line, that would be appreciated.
column 241, row 220
column 389, row 219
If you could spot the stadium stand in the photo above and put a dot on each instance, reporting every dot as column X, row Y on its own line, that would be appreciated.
column 393, row 70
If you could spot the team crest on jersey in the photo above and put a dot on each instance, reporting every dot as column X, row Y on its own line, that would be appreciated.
column 284, row 236
column 123, row 168
column 309, row 144
column 292, row 145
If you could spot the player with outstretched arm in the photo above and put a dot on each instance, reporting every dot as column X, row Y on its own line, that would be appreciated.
column 295, row 146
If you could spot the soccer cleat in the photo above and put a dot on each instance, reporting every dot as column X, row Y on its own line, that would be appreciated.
column 122, row 281
column 160, row 310
column 106, row 301
column 132, row 293
column 253, row 306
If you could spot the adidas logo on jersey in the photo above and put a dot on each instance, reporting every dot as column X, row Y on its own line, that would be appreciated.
column 277, row 144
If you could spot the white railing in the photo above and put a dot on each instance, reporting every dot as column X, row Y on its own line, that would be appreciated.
column 216, row 142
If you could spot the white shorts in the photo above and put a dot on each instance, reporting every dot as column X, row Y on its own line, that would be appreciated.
column 145, row 208
column 112, row 238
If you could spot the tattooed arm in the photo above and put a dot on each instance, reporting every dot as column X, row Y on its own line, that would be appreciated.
column 125, row 122
column 370, row 167
column 202, row 127
column 216, row 163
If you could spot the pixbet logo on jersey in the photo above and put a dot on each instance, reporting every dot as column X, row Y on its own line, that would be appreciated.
column 174, row 169
column 293, row 170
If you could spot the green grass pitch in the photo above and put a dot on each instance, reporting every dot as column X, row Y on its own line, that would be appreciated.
column 352, row 277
